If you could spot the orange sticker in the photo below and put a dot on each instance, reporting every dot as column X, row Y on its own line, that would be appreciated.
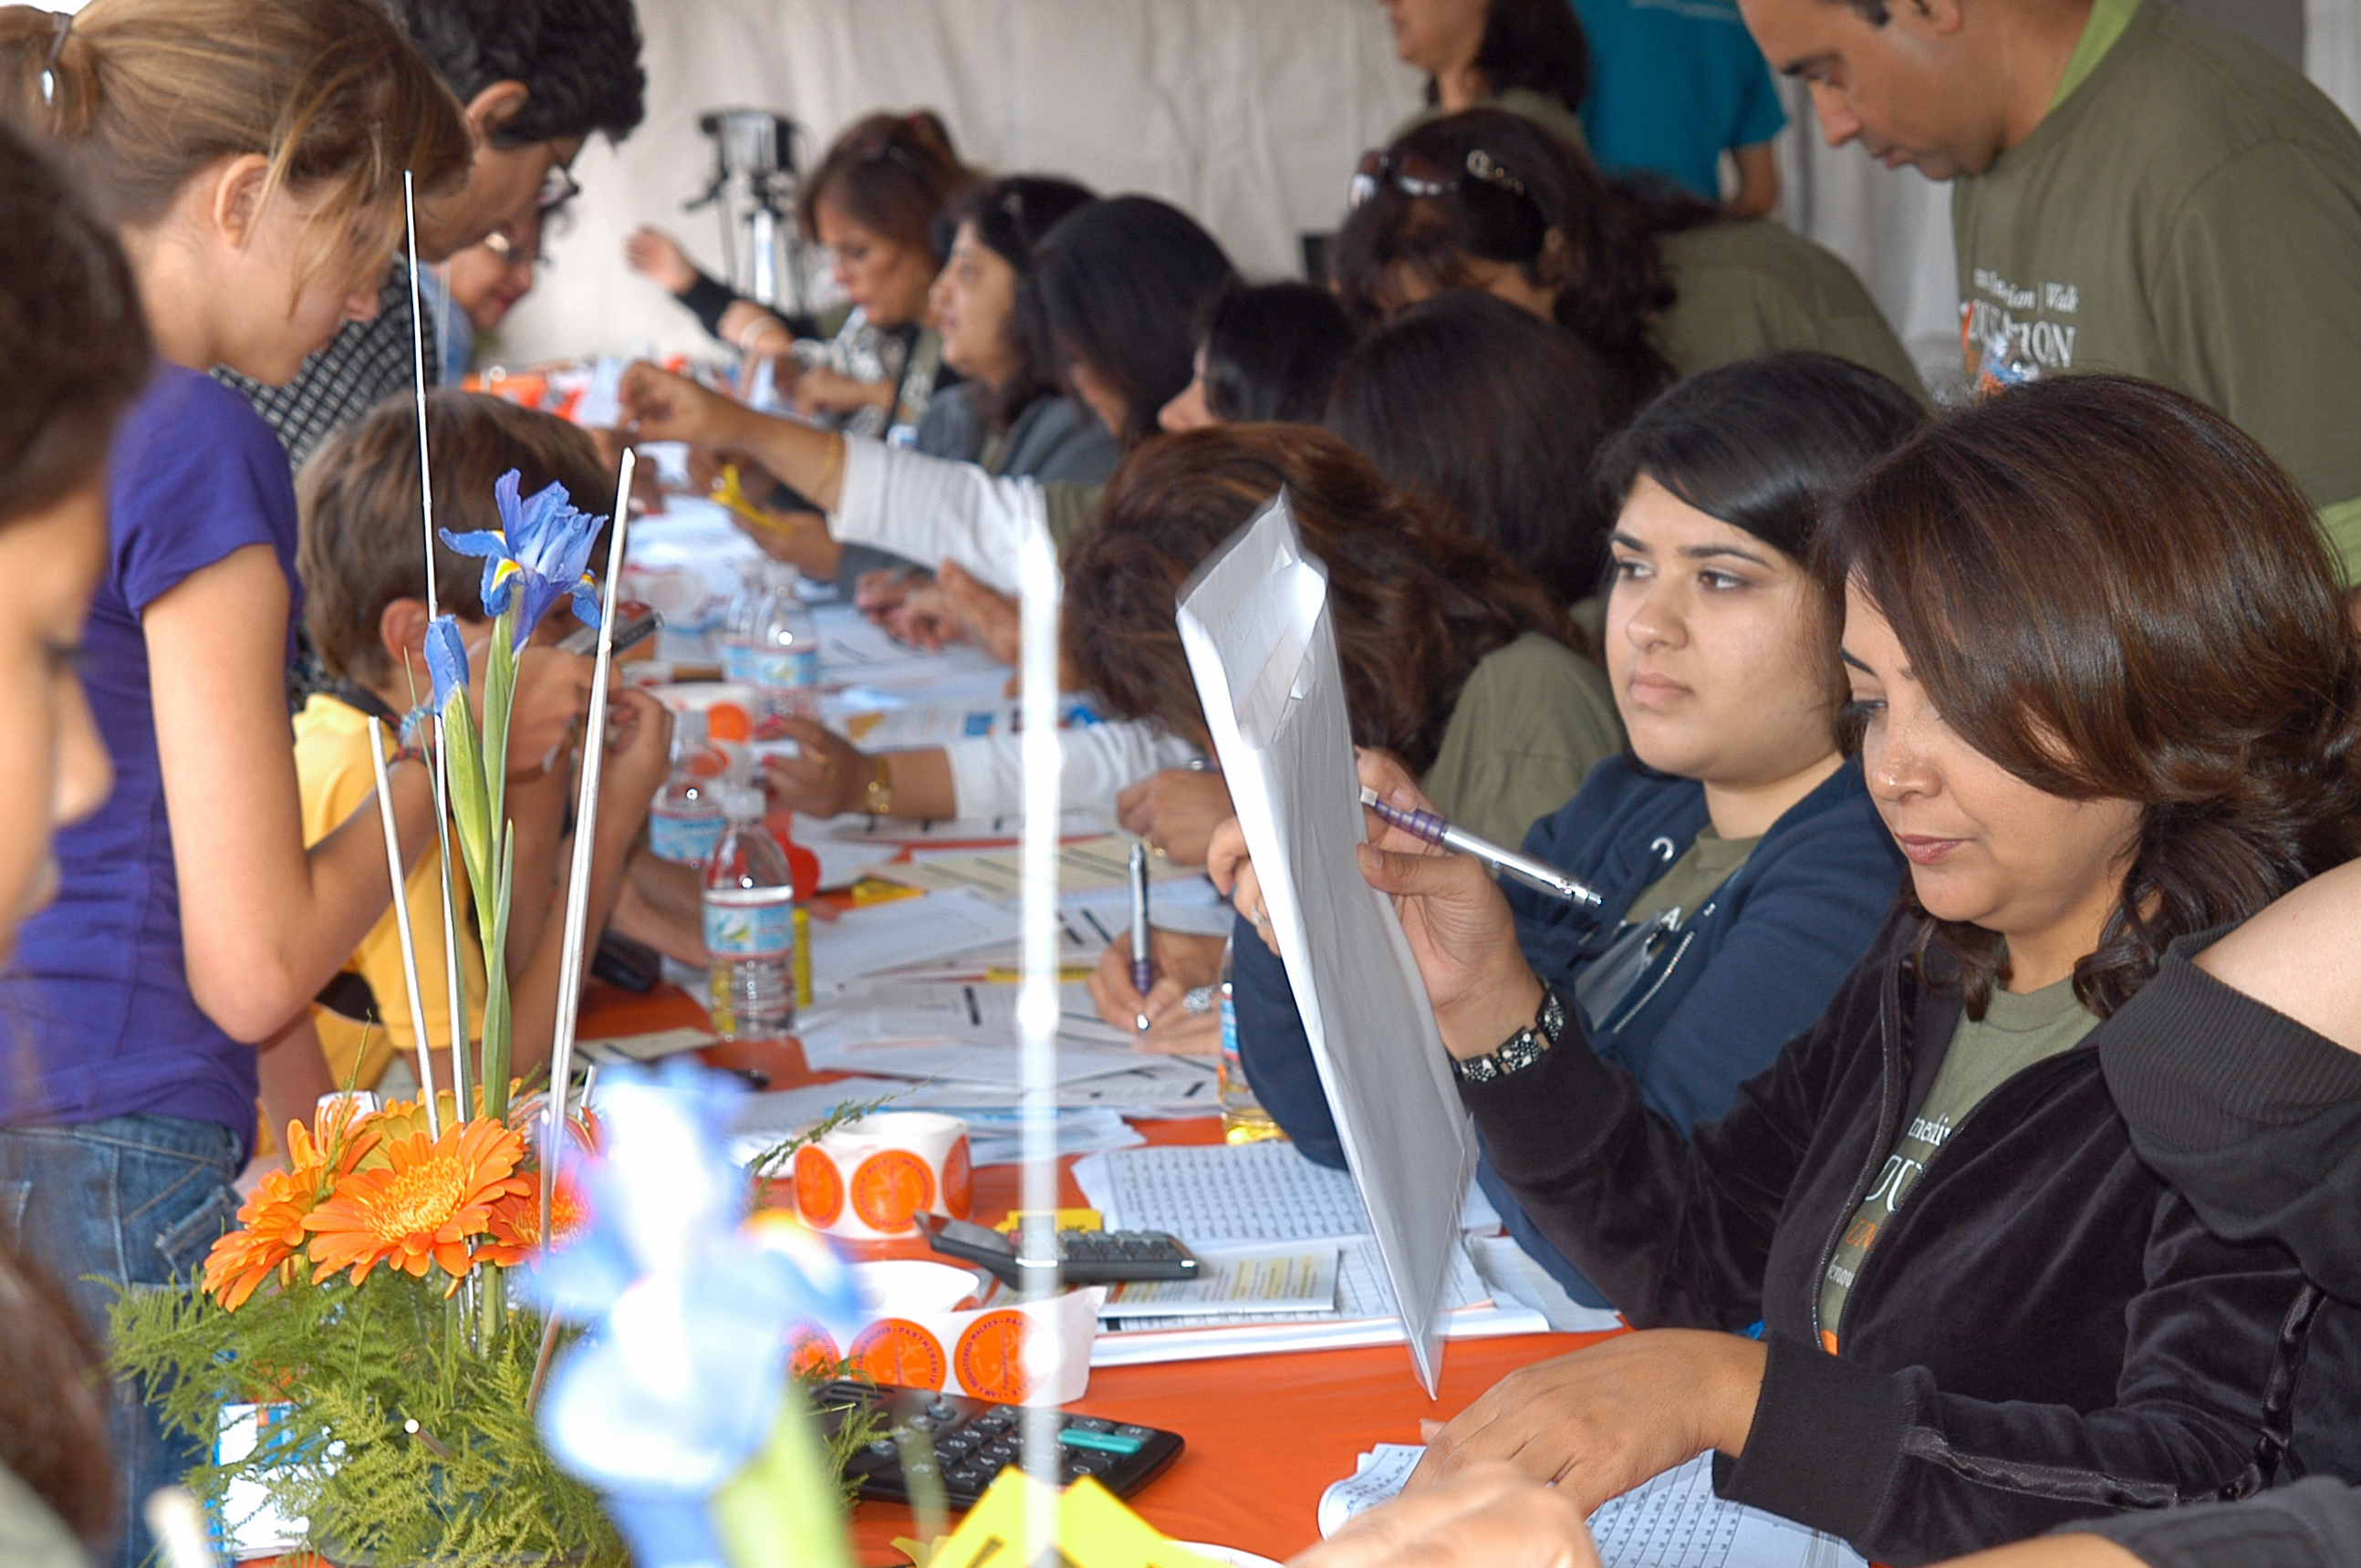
column 896, row 1351
column 959, row 1185
column 810, row 1353
column 890, row 1185
column 991, row 1357
column 819, row 1191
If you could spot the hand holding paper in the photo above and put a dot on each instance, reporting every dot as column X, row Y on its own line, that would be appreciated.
column 1459, row 926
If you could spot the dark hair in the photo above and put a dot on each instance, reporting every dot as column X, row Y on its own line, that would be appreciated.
column 2112, row 592
column 890, row 174
column 358, row 548
column 1764, row 445
column 1603, row 268
column 1493, row 417
column 1416, row 605
column 70, row 334
column 1011, row 215
column 1117, row 285
column 1534, row 44
column 53, row 1401
column 578, row 59
column 1271, row 352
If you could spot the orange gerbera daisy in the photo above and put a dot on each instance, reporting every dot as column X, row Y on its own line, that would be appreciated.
column 422, row 1206
column 271, row 1218
column 516, row 1223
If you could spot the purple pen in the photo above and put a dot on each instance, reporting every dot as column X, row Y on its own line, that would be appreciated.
column 1143, row 971
column 1426, row 825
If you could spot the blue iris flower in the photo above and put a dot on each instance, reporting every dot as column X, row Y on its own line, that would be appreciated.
column 447, row 659
column 689, row 1306
column 542, row 546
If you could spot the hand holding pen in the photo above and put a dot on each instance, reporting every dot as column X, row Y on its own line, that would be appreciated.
column 1430, row 827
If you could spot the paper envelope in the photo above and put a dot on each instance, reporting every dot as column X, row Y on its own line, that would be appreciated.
column 1254, row 621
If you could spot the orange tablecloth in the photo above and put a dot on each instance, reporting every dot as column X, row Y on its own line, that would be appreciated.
column 1266, row 1434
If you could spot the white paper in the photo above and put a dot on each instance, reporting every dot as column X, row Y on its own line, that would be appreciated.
column 1254, row 619
column 967, row 832
column 651, row 1047
column 1673, row 1521
column 1380, row 1477
column 1284, row 1280
column 1224, row 1192
column 904, row 931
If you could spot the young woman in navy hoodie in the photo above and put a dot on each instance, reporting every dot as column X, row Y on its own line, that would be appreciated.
column 1744, row 868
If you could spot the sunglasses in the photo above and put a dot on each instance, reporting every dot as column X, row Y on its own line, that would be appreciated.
column 1415, row 174
column 558, row 187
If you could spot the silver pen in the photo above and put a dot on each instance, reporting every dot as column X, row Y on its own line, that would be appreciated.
column 1142, row 972
column 1426, row 825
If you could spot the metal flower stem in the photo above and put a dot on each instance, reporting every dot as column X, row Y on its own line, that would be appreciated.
column 577, row 886
column 454, row 1003
column 1037, row 998
column 394, row 869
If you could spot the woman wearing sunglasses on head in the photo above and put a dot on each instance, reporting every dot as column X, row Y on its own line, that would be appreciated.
column 1660, row 283
column 2107, row 696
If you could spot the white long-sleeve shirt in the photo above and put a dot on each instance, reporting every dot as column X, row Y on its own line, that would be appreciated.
column 1098, row 761
column 935, row 509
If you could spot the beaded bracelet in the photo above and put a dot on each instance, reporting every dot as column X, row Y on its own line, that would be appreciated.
column 1523, row 1049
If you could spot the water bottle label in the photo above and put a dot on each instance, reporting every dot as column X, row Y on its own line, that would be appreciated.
column 757, row 925
column 686, row 838
column 754, row 665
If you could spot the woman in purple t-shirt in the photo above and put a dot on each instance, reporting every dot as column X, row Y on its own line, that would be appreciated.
column 248, row 153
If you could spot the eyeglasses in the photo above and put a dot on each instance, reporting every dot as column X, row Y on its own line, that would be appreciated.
column 558, row 187
column 1414, row 174
column 514, row 251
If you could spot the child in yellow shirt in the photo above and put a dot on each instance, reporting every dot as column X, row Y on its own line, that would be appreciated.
column 362, row 564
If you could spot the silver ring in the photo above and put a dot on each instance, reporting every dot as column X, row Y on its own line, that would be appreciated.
column 1198, row 999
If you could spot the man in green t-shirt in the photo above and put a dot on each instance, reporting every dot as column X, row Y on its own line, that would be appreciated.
column 2134, row 189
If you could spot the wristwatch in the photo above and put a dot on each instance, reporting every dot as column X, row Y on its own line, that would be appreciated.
column 877, row 796
column 1523, row 1049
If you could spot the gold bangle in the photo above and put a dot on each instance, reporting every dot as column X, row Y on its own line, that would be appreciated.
column 877, row 796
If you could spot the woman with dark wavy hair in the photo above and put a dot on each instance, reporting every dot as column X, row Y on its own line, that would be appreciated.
column 1656, row 282
column 2107, row 695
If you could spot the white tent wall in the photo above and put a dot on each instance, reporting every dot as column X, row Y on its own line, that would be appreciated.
column 1247, row 113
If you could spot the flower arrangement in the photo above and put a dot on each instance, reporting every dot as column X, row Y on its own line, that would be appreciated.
column 366, row 1297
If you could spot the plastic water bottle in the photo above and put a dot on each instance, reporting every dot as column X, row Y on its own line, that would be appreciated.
column 1244, row 1121
column 750, row 933
column 686, row 818
column 774, row 646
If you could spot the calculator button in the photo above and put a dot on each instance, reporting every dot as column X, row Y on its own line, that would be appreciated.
column 956, row 1444
column 942, row 1410
column 1087, row 1464
column 1001, row 1452
column 1142, row 1433
column 1088, row 1423
column 1100, row 1442
column 966, row 1475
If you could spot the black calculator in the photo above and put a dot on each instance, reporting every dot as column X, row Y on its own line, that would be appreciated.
column 975, row 1441
column 1084, row 1257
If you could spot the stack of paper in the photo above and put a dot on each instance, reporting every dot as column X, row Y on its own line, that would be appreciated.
column 1266, row 1193
column 1261, row 1280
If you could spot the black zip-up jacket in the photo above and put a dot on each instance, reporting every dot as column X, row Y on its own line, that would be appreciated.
column 2045, row 1332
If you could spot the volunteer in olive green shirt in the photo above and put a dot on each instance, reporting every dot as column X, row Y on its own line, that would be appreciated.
column 2133, row 191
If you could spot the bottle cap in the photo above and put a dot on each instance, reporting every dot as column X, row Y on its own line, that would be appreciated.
column 727, row 722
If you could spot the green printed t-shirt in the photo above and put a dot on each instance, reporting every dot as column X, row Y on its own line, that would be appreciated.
column 1530, row 722
column 1708, row 861
column 2190, row 212
column 2016, row 1032
column 1754, row 287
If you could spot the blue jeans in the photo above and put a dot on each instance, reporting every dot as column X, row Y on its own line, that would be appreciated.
column 131, row 1201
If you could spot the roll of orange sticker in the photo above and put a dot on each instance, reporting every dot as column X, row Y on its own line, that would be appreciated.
column 959, row 1181
column 819, row 1190
column 810, row 1353
column 887, row 1167
column 991, row 1357
column 890, row 1185
column 896, row 1351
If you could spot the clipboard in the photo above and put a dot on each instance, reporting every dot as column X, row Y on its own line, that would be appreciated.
column 1254, row 619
